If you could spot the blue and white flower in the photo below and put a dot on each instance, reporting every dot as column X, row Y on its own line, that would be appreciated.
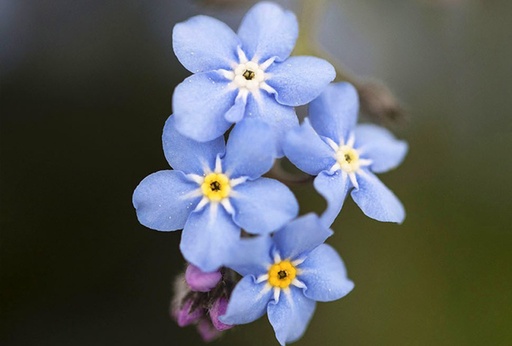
column 345, row 156
column 284, row 276
column 214, row 190
column 249, row 74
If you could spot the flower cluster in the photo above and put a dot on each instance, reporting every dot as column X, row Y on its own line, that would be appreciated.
column 249, row 252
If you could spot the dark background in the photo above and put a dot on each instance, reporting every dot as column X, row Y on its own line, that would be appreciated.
column 85, row 90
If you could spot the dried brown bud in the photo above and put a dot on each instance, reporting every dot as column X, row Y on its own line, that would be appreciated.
column 379, row 103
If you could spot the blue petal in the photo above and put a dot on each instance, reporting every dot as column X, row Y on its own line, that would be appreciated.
column 159, row 202
column 334, row 113
column 376, row 200
column 187, row 155
column 301, row 236
column 203, row 44
column 325, row 275
column 268, row 31
column 263, row 205
column 379, row 145
column 251, row 149
column 208, row 238
column 291, row 315
column 298, row 80
column 334, row 189
column 280, row 118
column 251, row 256
column 236, row 113
column 200, row 103
column 247, row 303
column 304, row 148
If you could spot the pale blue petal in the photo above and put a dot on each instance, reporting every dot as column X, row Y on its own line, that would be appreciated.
column 300, row 79
column 334, row 188
column 325, row 275
column 304, row 148
column 203, row 44
column 268, row 31
column 251, row 149
column 247, row 303
column 208, row 238
column 263, row 205
column 236, row 113
column 379, row 145
column 159, row 200
column 280, row 118
column 291, row 315
column 301, row 236
column 376, row 200
column 187, row 155
column 200, row 103
column 251, row 256
column 334, row 113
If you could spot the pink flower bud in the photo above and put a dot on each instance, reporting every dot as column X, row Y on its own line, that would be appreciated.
column 219, row 309
column 185, row 316
column 200, row 281
column 207, row 331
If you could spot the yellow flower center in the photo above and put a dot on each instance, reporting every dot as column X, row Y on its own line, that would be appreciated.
column 281, row 274
column 348, row 158
column 216, row 186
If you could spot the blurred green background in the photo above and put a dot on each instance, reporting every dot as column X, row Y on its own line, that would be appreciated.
column 85, row 90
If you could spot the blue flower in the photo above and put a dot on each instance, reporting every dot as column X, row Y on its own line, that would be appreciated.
column 244, row 75
column 213, row 191
column 345, row 156
column 285, row 275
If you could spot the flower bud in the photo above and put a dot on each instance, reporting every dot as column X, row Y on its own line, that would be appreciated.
column 188, row 314
column 218, row 309
column 200, row 281
column 207, row 331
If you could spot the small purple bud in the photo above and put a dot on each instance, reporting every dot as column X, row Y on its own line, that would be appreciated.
column 207, row 331
column 200, row 281
column 184, row 316
column 219, row 309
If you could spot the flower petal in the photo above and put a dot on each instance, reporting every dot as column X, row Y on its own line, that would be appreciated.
column 268, row 31
column 251, row 149
column 334, row 188
column 187, row 155
column 263, row 205
column 280, row 118
column 291, row 315
column 247, row 303
column 200, row 103
column 251, row 256
column 300, row 79
column 203, row 44
column 379, row 145
column 376, row 200
column 208, row 238
column 334, row 113
column 236, row 113
column 306, row 150
column 300, row 236
column 159, row 202
column 325, row 275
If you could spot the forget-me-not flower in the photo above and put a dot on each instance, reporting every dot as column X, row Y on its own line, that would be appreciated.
column 284, row 276
column 345, row 156
column 214, row 190
column 248, row 74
